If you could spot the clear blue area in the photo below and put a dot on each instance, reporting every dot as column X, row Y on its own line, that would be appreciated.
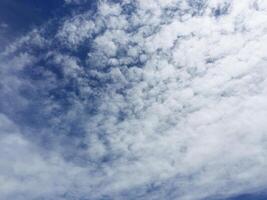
column 22, row 15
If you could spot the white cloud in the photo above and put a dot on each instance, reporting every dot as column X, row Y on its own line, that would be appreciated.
column 23, row 168
column 76, row 30
column 180, row 103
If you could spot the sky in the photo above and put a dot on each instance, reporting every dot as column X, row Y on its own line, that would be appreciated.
column 17, row 17
column 133, row 99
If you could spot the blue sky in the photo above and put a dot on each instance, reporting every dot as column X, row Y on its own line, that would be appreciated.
column 250, row 197
column 133, row 99
column 21, row 16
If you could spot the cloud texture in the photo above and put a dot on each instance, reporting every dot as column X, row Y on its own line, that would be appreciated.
column 144, row 99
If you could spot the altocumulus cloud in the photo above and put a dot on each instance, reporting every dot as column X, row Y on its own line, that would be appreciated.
column 137, row 99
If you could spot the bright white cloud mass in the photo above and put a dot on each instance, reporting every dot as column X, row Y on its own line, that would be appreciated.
column 137, row 99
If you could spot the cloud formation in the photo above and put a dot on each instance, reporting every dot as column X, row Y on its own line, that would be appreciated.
column 149, row 99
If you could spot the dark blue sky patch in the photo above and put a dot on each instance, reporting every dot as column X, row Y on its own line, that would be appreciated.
column 22, row 15
column 245, row 196
column 17, row 17
column 256, row 196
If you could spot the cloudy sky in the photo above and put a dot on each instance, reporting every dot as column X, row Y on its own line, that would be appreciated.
column 133, row 100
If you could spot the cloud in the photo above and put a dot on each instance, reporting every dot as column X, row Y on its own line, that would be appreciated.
column 75, row 1
column 3, row 25
column 23, row 168
column 138, row 99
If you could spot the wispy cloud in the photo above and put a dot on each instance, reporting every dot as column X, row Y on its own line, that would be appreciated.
column 3, row 25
